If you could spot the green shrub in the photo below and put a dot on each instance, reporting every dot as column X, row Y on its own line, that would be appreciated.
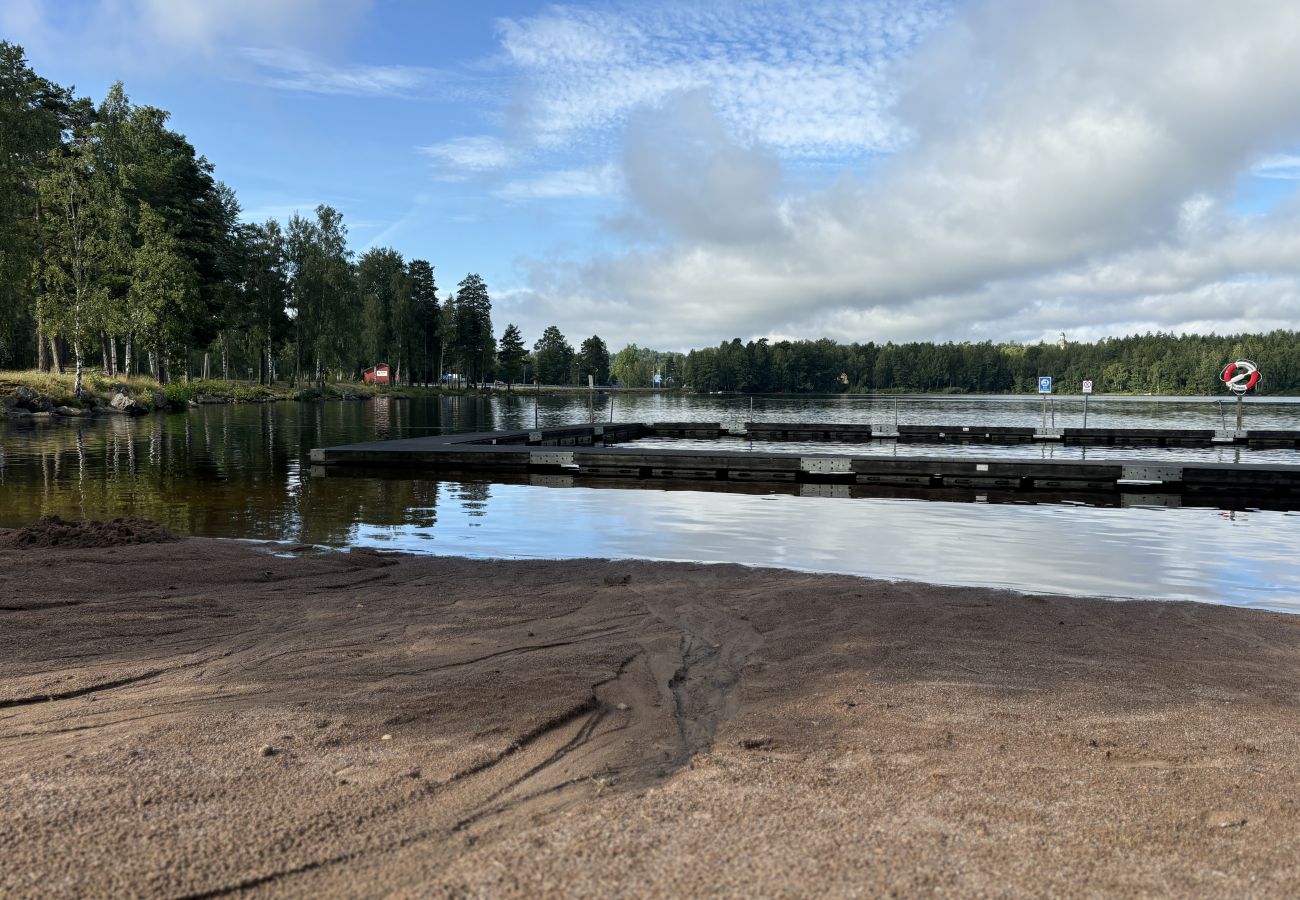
column 179, row 394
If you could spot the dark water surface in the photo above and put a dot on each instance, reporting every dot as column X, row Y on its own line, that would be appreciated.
column 240, row 471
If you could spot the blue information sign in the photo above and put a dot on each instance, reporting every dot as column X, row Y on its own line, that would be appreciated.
column 1044, row 384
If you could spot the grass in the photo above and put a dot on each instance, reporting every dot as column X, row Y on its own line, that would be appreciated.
column 179, row 393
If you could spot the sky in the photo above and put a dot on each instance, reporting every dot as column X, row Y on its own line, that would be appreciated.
column 677, row 174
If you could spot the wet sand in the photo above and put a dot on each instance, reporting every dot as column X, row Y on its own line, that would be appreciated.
column 202, row 717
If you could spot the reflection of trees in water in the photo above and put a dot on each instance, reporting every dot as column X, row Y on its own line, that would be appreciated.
column 473, row 496
column 333, row 507
column 231, row 470
column 217, row 470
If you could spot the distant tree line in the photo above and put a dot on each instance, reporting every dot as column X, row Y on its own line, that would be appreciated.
column 1140, row 364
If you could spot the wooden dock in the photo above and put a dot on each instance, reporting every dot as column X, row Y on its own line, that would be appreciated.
column 594, row 451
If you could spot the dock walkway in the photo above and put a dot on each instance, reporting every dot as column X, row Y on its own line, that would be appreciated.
column 593, row 450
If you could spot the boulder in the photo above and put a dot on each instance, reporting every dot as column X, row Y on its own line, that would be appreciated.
column 30, row 400
column 70, row 412
column 124, row 404
column 160, row 401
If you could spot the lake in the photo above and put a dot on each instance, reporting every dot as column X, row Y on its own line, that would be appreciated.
column 240, row 471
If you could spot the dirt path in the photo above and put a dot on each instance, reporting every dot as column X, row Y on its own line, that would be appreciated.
column 204, row 718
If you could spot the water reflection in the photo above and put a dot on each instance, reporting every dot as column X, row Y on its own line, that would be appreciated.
column 1240, row 558
column 240, row 471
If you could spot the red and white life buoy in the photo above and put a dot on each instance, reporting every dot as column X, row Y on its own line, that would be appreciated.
column 1240, row 376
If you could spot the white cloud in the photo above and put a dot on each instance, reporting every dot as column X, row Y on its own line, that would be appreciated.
column 132, row 35
column 478, row 153
column 810, row 80
column 1066, row 165
column 602, row 181
column 1282, row 165
column 296, row 71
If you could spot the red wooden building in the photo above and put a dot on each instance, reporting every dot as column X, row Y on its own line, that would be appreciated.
column 377, row 374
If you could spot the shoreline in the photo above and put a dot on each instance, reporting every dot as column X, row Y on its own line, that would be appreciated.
column 208, row 715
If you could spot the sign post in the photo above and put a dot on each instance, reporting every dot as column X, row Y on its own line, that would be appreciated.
column 1240, row 377
column 1044, row 390
column 1087, row 391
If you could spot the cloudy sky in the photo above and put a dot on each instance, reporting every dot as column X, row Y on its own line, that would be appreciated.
column 675, row 174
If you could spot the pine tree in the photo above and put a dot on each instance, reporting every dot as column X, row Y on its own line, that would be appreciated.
column 554, row 357
column 474, row 340
column 511, row 354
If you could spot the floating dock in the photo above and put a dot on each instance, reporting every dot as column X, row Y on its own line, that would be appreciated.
column 594, row 452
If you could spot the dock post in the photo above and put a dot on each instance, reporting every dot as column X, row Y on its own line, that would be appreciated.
column 1085, row 411
column 1240, row 398
column 1223, row 420
column 895, row 415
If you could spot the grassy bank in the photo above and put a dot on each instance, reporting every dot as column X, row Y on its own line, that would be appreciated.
column 100, row 390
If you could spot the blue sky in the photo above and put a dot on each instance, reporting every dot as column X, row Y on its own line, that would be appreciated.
column 676, row 174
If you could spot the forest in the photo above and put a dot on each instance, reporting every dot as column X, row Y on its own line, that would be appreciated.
column 121, row 252
column 1140, row 364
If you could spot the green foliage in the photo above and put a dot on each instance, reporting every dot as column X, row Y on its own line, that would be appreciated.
column 1140, row 364
column 470, row 337
column 592, row 360
column 323, row 295
column 554, row 357
column 635, row 366
column 34, row 116
column 180, row 393
column 427, row 325
column 511, row 353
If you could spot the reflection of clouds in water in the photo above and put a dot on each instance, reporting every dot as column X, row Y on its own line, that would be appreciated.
column 1189, row 554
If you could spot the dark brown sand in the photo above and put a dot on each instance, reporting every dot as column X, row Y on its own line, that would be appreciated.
column 202, row 718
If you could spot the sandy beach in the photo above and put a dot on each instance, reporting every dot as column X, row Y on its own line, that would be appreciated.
column 201, row 718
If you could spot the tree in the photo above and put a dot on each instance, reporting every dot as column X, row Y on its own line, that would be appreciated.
column 266, row 292
column 34, row 115
column 385, row 298
column 554, row 357
column 593, row 360
column 511, row 354
column 164, row 296
column 78, row 249
column 427, row 318
column 474, row 342
column 447, row 330
column 323, row 293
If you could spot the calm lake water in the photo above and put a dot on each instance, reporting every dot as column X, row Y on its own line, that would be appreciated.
column 240, row 471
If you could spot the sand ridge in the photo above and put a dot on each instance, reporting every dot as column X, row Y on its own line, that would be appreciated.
column 206, row 718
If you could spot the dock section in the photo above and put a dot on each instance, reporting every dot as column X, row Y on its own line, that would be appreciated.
column 594, row 451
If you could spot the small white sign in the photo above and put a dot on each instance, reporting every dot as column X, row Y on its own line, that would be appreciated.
column 1087, row 387
column 1044, row 384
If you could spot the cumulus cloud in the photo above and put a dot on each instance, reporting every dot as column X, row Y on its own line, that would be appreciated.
column 1065, row 165
column 684, row 171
